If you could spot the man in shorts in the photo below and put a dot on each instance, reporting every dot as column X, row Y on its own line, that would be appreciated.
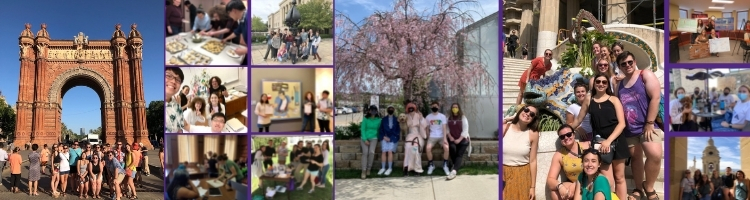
column 437, row 131
column 728, row 183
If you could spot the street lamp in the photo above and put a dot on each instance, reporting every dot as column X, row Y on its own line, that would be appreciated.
column 293, row 18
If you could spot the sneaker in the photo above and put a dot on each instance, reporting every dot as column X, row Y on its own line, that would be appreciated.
column 368, row 172
column 364, row 175
column 430, row 169
column 381, row 171
column 452, row 175
column 446, row 170
column 388, row 172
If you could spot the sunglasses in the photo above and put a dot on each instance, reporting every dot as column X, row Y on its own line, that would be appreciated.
column 531, row 114
column 547, row 54
column 591, row 150
column 603, row 65
column 65, row 148
column 601, row 82
column 567, row 135
column 626, row 63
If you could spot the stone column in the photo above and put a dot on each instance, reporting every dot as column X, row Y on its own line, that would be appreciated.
column 548, row 18
column 525, row 28
column 745, row 154
column 678, row 161
column 41, row 89
column 573, row 8
column 25, row 83
column 617, row 11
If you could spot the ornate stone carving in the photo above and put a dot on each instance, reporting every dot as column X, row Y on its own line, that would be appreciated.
column 97, row 55
column 41, row 50
column 24, row 50
column 56, row 88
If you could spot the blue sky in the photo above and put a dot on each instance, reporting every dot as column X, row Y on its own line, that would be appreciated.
column 96, row 19
column 729, row 149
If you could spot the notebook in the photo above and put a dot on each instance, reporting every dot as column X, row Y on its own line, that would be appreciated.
column 234, row 126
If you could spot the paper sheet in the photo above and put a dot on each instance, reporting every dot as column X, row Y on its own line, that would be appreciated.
column 268, row 109
column 234, row 126
column 308, row 109
column 196, row 182
column 283, row 105
column 202, row 192
column 215, row 183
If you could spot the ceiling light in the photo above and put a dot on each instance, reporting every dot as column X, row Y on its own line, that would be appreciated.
column 722, row 1
column 716, row 8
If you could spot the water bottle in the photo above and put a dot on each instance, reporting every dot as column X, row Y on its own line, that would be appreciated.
column 721, row 105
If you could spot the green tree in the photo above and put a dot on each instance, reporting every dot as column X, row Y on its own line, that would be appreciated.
column 258, row 25
column 263, row 141
column 65, row 131
column 316, row 14
column 97, row 131
column 7, row 119
column 155, row 119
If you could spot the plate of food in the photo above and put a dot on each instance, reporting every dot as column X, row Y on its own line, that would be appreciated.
column 194, row 58
column 175, row 61
column 175, row 46
column 214, row 46
column 197, row 38
column 231, row 53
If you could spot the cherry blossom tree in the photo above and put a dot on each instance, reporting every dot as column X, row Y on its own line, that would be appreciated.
column 402, row 51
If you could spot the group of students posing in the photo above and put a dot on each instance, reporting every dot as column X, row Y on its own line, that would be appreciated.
column 285, row 45
column 265, row 110
column 730, row 186
column 308, row 163
column 614, row 123
column 451, row 133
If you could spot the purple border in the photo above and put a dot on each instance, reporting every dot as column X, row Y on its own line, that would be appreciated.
column 500, row 99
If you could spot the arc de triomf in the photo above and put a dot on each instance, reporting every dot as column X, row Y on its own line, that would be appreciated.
column 112, row 68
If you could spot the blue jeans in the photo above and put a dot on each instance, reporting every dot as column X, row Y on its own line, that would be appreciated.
column 314, row 49
column 323, row 172
column 288, row 44
column 307, row 121
column 728, row 117
column 687, row 196
column 175, row 29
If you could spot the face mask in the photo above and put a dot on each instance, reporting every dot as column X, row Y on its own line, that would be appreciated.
column 680, row 96
column 411, row 109
column 726, row 93
column 390, row 112
column 455, row 110
column 434, row 109
column 742, row 96
column 373, row 112
column 696, row 92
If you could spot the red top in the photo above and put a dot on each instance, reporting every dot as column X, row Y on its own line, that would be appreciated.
column 537, row 70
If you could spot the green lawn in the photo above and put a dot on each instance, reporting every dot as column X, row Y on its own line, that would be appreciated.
column 320, row 193
column 398, row 172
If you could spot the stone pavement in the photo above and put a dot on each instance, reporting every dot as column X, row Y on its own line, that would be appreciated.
column 477, row 187
column 153, row 186
column 325, row 51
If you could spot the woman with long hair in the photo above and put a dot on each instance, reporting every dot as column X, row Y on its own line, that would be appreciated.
column 369, row 128
column 617, row 49
column 686, row 186
column 643, row 137
column 64, row 156
column 180, row 187
column 316, row 162
column 55, row 169
column 705, row 188
column 603, row 67
column 308, row 116
column 215, row 86
column 458, row 138
column 83, row 173
column 96, row 167
column 567, row 161
column 592, row 185
column 315, row 45
column 34, row 170
column 216, row 106
column 601, row 106
column 584, row 133
column 741, row 186
column 415, row 138
column 196, row 112
column 264, row 110
column 520, row 145
column 131, row 161
column 231, row 171
column 325, row 148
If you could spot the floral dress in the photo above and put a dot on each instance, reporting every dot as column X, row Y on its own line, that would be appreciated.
column 34, row 166
column 174, row 120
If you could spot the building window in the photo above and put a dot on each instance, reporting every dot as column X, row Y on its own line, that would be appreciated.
column 727, row 15
column 683, row 14
column 741, row 17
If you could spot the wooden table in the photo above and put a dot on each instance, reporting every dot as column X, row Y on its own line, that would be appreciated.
column 235, row 107
column 225, row 194
column 275, row 180
column 195, row 173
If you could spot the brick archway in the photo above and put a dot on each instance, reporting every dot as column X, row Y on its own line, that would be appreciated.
column 49, row 68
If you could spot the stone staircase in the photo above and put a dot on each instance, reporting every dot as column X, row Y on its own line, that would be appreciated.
column 512, row 71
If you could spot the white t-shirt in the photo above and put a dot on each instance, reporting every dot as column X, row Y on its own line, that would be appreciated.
column 687, row 185
column 192, row 117
column 202, row 129
column 586, row 123
column 675, row 111
column 3, row 155
column 64, row 161
column 728, row 99
column 741, row 113
column 436, row 124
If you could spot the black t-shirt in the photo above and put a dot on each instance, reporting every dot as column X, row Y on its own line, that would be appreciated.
column 231, row 25
column 293, row 155
column 313, row 167
column 728, row 180
column 269, row 152
column 220, row 90
column 304, row 159
column 183, row 99
column 212, row 166
column 512, row 40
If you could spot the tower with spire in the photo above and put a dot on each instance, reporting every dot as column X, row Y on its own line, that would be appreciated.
column 711, row 158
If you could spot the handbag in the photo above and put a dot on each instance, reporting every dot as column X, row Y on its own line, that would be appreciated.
column 606, row 157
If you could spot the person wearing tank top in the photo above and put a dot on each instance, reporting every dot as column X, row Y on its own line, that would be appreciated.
column 572, row 112
column 96, row 166
column 640, row 93
column 601, row 106
column 566, row 161
column 520, row 144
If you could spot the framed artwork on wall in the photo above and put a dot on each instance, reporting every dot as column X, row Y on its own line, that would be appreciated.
column 285, row 97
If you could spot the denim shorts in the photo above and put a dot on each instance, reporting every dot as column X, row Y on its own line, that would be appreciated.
column 64, row 172
column 388, row 146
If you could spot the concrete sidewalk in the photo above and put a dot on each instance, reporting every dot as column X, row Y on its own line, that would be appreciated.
column 423, row 187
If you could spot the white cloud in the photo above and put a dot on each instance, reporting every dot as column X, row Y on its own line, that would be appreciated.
column 263, row 8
